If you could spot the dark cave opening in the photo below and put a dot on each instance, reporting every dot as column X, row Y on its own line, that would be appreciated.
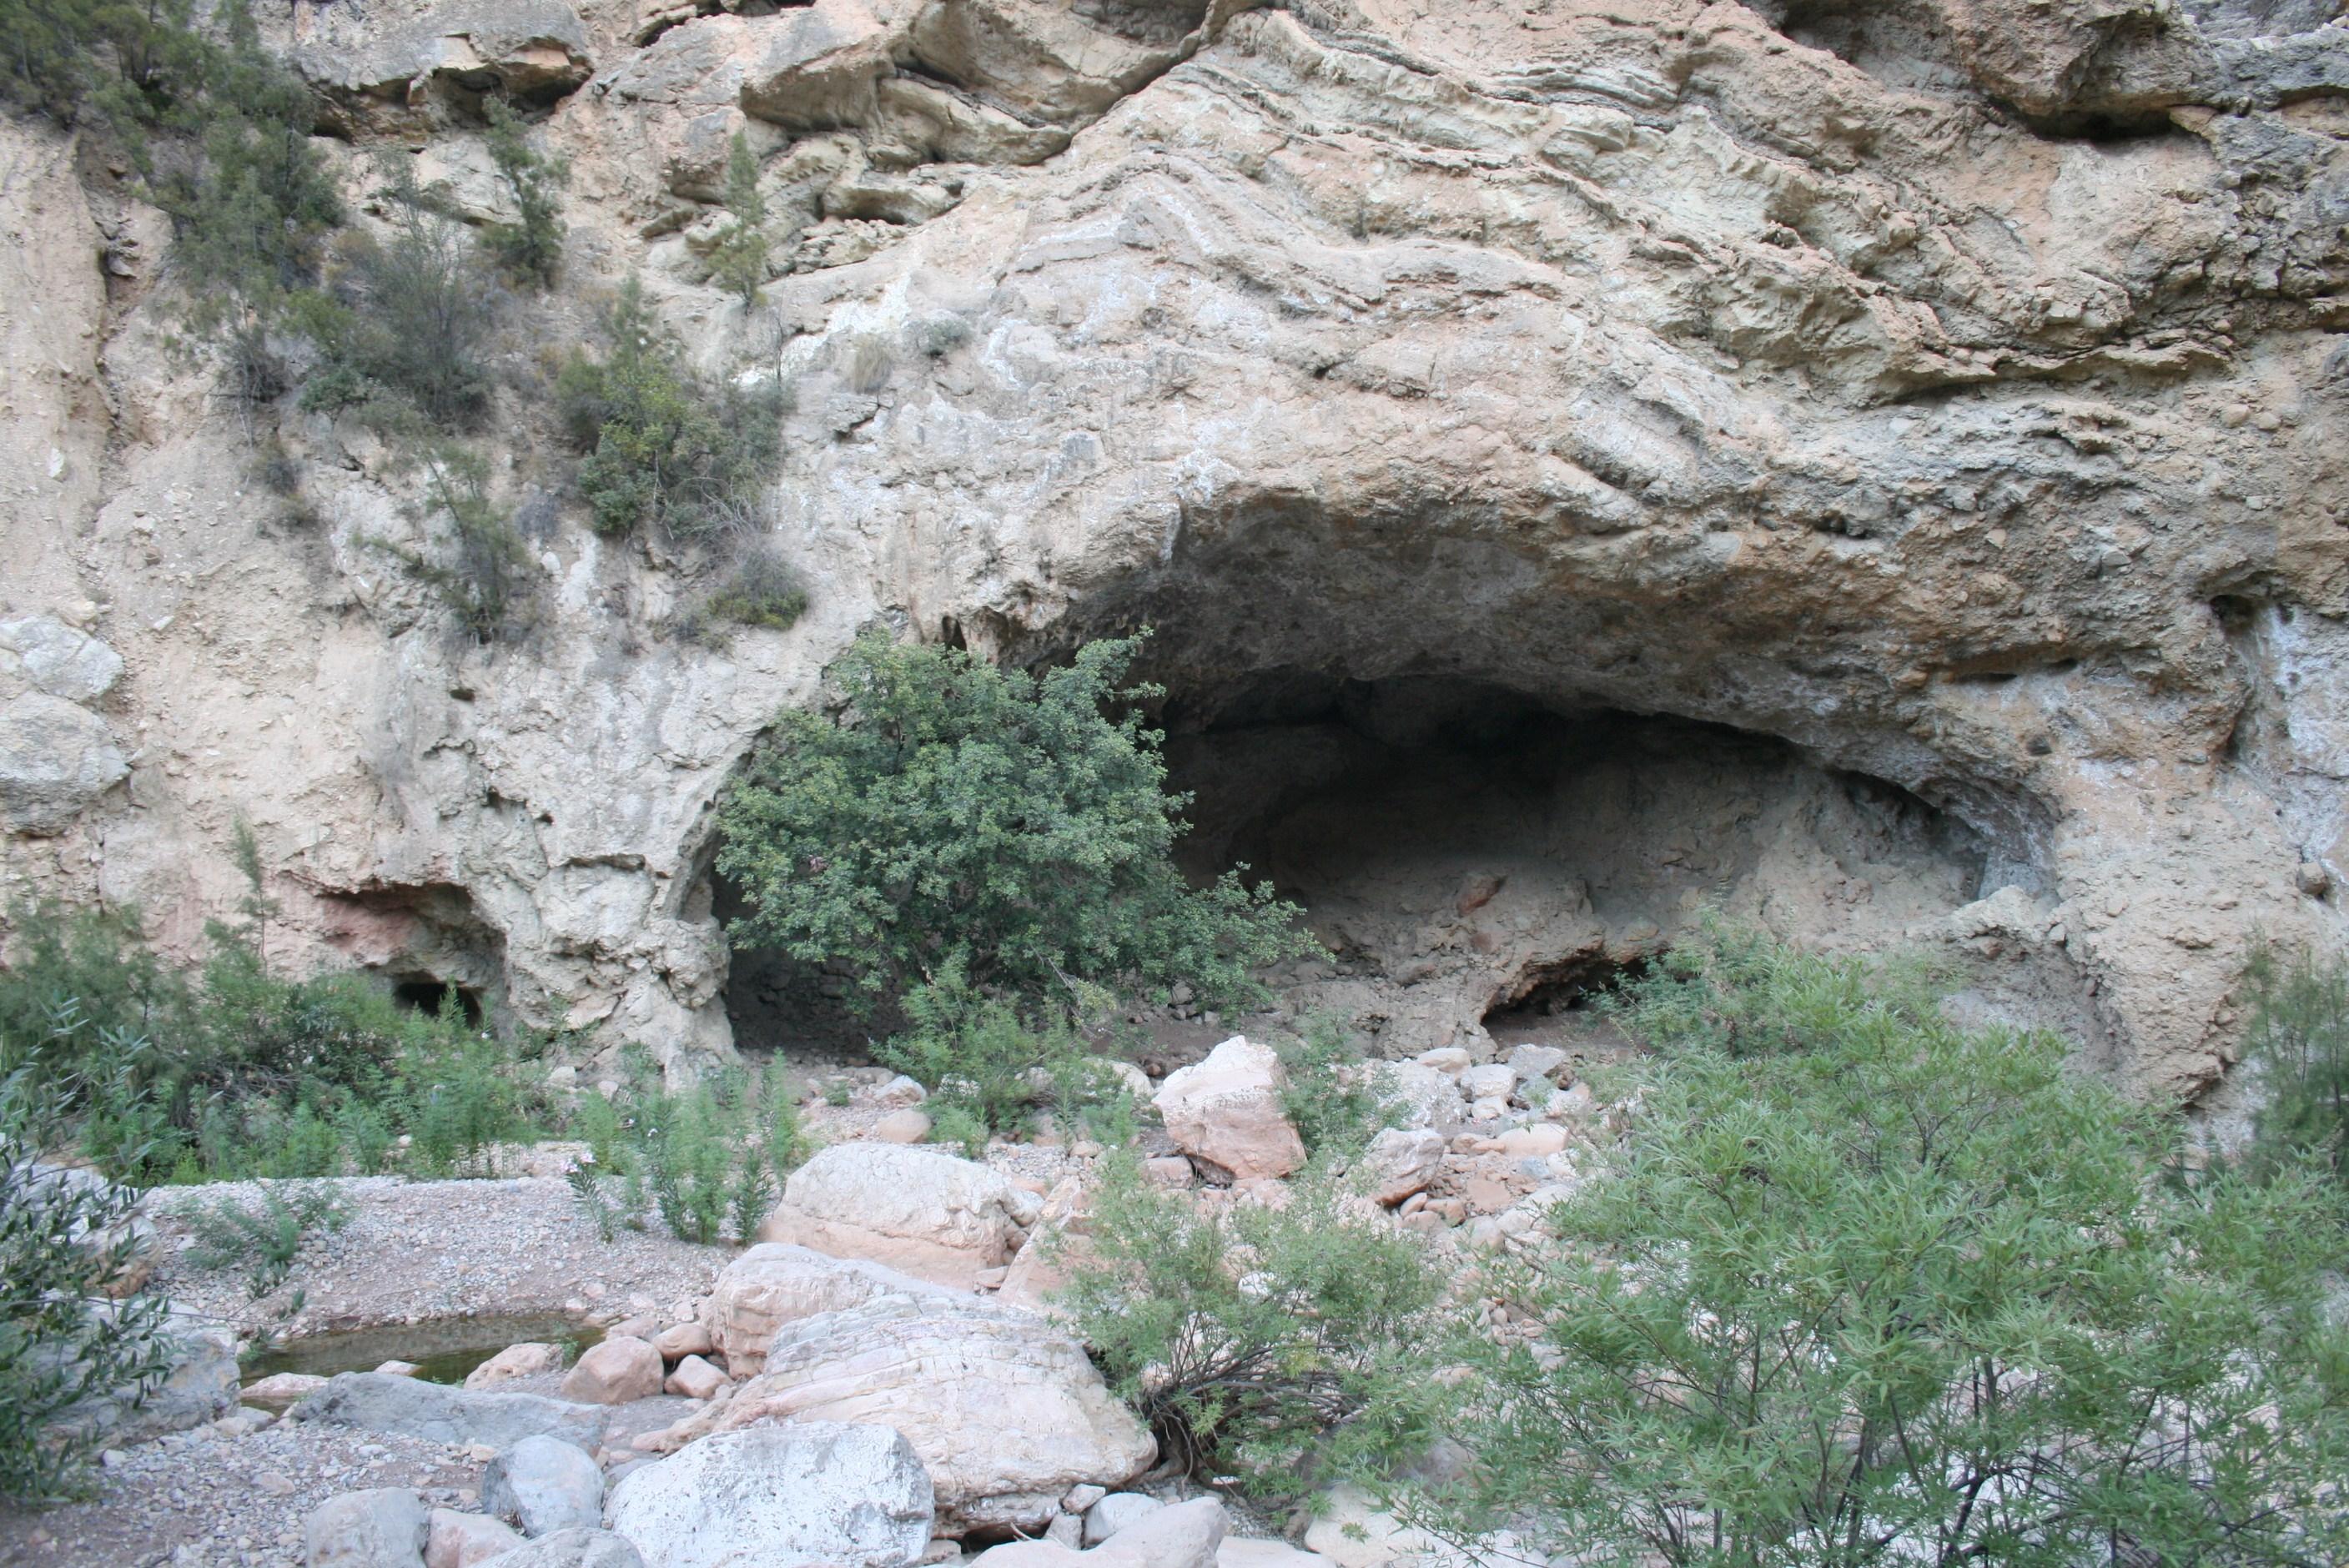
column 432, row 997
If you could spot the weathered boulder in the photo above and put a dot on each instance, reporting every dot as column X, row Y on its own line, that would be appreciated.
column 906, row 1126
column 683, row 1339
column 1062, row 1239
column 525, row 1360
column 1005, row 1411
column 1187, row 1535
column 55, row 659
column 55, row 758
column 1118, row 1512
column 572, row 1548
column 1423, row 1095
column 1403, row 1162
column 281, row 1390
column 801, row 1493
column 454, row 1540
column 542, row 1485
column 927, row 1214
column 377, row 1403
column 614, row 1371
column 775, row 1283
column 383, row 1528
column 694, row 1379
column 1227, row 1112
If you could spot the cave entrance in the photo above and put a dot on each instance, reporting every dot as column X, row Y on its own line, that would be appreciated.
column 423, row 994
column 776, row 1003
column 1560, row 1006
column 1475, row 857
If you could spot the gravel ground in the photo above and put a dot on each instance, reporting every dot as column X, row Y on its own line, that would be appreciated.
column 202, row 1499
column 413, row 1250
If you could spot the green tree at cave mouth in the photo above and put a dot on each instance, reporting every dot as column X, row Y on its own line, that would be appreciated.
column 986, row 828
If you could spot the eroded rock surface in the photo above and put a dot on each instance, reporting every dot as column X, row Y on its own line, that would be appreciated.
column 1936, row 395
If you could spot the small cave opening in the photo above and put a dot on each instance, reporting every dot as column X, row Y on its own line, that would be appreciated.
column 776, row 1003
column 1560, row 1004
column 433, row 997
column 1482, row 861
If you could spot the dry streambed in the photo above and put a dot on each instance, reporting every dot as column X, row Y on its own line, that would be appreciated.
column 895, row 1286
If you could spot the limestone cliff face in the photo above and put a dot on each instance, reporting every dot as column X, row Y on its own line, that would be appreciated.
column 1949, row 390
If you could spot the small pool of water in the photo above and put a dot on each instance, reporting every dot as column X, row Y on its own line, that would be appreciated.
column 445, row 1349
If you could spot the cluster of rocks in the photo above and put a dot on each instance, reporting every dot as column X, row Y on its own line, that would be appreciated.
column 879, row 1381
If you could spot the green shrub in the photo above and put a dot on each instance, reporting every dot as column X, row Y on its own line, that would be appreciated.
column 2299, row 1048
column 1330, row 1096
column 531, row 248
column 63, row 1243
column 710, row 1159
column 485, row 573
column 262, row 1240
column 1000, row 828
column 1866, row 1287
column 403, row 319
column 663, row 448
column 762, row 590
column 1253, row 1339
column 739, row 263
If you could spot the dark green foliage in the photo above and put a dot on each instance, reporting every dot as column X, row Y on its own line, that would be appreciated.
column 664, row 450
column 2299, row 1047
column 985, row 1056
column 530, row 248
column 63, row 1242
column 739, row 262
column 262, row 1240
column 1254, row 1338
column 484, row 572
column 404, row 318
column 231, row 1071
column 761, row 590
column 1866, row 1287
column 1329, row 1095
column 986, row 829
column 711, row 1158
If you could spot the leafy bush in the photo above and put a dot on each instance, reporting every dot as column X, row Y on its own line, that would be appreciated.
column 531, row 248
column 663, row 449
column 2299, row 1047
column 984, row 1056
column 739, row 262
column 403, row 319
column 1253, row 1338
column 1866, row 1287
column 1330, row 1097
column 63, row 1243
column 263, row 1240
column 712, row 1159
column 762, row 590
column 984, row 832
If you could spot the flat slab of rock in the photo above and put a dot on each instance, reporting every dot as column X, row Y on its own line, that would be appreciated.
column 775, row 1495
column 572, row 1549
column 375, row 1403
column 776, row 1283
column 1227, row 1112
column 1007, row 1411
column 919, row 1211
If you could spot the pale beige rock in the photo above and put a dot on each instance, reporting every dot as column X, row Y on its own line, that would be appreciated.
column 1403, row 1162
column 908, row 1126
column 683, row 1339
column 524, row 1360
column 456, row 1540
column 1061, row 1243
column 694, row 1379
column 614, row 1371
column 1227, row 1110
column 1006, row 1411
column 924, row 1212
column 773, row 1284
column 1187, row 1535
column 280, row 1391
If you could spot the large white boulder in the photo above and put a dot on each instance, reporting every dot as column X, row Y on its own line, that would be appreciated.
column 775, row 1283
column 1227, row 1112
column 544, row 1485
column 929, row 1215
column 383, row 1528
column 1005, row 1409
column 1187, row 1535
column 777, row 1495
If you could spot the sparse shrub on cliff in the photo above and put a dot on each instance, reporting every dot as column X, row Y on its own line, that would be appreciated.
column 664, row 449
column 1015, row 825
column 1269, row 1341
column 485, row 572
column 403, row 319
column 2299, row 1049
column 760, row 590
column 739, row 263
column 1866, row 1287
column 530, row 248
column 62, row 1243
